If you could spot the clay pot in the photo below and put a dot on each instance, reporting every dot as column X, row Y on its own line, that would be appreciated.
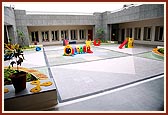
column 19, row 81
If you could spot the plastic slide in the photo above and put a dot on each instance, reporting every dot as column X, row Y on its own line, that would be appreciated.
column 125, row 42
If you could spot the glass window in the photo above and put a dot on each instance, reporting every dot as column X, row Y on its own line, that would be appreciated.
column 129, row 32
column 34, row 36
column 137, row 35
column 82, row 34
column 45, row 36
column 73, row 34
column 64, row 34
column 55, row 35
column 147, row 33
column 159, row 33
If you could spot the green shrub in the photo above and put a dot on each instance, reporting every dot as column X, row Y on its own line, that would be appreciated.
column 8, row 72
column 161, row 50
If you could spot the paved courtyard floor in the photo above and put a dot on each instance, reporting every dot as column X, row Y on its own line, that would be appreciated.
column 109, row 79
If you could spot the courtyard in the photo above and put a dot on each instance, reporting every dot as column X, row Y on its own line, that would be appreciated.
column 109, row 79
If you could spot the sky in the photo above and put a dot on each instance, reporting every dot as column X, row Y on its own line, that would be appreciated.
column 85, row 7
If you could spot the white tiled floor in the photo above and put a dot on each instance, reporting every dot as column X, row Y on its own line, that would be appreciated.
column 116, row 65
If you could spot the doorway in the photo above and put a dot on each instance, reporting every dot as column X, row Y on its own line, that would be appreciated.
column 114, row 32
column 90, row 35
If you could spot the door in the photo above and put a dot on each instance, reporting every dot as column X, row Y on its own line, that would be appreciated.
column 90, row 35
column 114, row 32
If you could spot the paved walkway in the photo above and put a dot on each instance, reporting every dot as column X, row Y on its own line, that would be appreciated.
column 90, row 82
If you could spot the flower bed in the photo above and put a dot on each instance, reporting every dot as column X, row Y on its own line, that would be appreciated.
column 157, row 53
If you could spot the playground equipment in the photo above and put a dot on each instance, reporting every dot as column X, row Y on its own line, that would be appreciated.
column 88, row 49
column 81, row 50
column 65, row 42
column 88, row 42
column 128, row 42
column 70, row 51
column 38, row 48
column 124, row 43
column 96, row 42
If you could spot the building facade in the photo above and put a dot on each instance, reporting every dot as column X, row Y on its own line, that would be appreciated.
column 144, row 23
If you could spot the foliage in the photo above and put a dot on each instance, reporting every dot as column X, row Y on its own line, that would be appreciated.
column 30, row 77
column 16, row 51
column 8, row 72
column 21, row 36
column 104, row 41
column 28, row 47
column 161, row 50
column 100, row 33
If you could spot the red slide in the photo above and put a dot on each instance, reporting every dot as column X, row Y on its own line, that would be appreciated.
column 125, row 42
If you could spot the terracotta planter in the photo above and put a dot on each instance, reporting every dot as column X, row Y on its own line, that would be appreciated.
column 19, row 81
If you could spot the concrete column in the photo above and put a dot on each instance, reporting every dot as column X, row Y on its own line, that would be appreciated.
column 86, row 34
column 133, row 32
column 50, row 36
column 69, row 34
column 142, row 33
column 40, row 37
column 93, row 33
column 109, row 32
column 125, row 32
column 153, row 33
column 59, row 31
column 7, row 32
column 119, row 35
column 78, row 35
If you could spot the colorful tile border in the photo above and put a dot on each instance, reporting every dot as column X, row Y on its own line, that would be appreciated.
column 34, row 72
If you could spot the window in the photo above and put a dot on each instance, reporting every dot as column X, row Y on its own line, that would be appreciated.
column 45, row 36
column 55, row 35
column 147, row 33
column 129, row 32
column 137, row 35
column 64, row 34
column 34, row 36
column 73, row 35
column 159, row 33
column 82, row 34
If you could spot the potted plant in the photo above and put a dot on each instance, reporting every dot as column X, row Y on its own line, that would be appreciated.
column 18, row 78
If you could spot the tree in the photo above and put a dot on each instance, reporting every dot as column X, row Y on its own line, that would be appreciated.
column 100, row 33
column 21, row 36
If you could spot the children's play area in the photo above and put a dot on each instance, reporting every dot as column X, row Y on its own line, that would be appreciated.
column 107, row 61
column 90, row 75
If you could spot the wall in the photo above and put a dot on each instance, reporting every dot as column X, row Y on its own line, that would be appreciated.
column 21, row 25
column 97, row 20
column 145, row 23
column 136, row 13
column 9, row 23
column 58, row 28
column 24, row 20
